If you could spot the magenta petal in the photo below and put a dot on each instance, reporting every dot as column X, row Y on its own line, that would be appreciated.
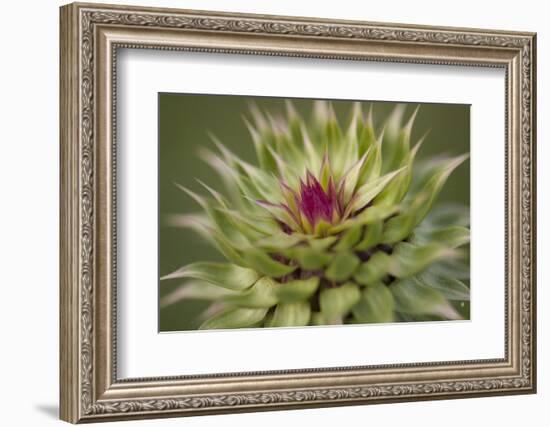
column 314, row 203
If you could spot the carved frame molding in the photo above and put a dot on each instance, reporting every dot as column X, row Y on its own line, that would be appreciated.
column 90, row 37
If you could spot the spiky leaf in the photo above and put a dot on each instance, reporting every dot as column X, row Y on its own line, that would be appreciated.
column 413, row 297
column 452, row 289
column 337, row 302
column 228, row 276
column 291, row 314
column 260, row 295
column 296, row 290
column 266, row 265
column 372, row 271
column 451, row 237
column 235, row 318
column 342, row 266
column 195, row 290
column 375, row 305
column 408, row 259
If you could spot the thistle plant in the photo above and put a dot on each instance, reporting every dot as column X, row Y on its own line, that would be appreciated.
column 332, row 225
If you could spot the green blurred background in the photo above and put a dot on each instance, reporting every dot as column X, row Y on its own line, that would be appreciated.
column 185, row 122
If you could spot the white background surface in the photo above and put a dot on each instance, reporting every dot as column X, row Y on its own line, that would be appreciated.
column 143, row 352
column 29, row 171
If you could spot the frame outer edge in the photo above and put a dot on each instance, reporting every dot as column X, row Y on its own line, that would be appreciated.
column 68, row 227
column 533, row 124
column 78, row 340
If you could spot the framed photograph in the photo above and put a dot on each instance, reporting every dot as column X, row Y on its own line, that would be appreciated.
column 265, row 212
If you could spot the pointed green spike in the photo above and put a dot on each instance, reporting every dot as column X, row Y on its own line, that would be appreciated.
column 312, row 155
column 412, row 297
column 203, row 226
column 408, row 260
column 452, row 237
column 279, row 241
column 433, row 186
column 373, row 163
column 263, row 263
column 368, row 216
column 450, row 288
column 401, row 145
column 195, row 290
column 260, row 295
column 451, row 267
column 370, row 190
column 445, row 215
column 325, row 173
column 366, row 137
column 351, row 178
column 226, row 275
column 396, row 190
column 265, row 159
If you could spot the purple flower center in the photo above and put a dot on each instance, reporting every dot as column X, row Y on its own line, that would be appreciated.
column 314, row 203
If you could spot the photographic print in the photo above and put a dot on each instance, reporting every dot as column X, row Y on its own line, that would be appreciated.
column 279, row 212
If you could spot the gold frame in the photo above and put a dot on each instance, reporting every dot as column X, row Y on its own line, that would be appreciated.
column 90, row 36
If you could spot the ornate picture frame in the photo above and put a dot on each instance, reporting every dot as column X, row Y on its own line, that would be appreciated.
column 90, row 37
